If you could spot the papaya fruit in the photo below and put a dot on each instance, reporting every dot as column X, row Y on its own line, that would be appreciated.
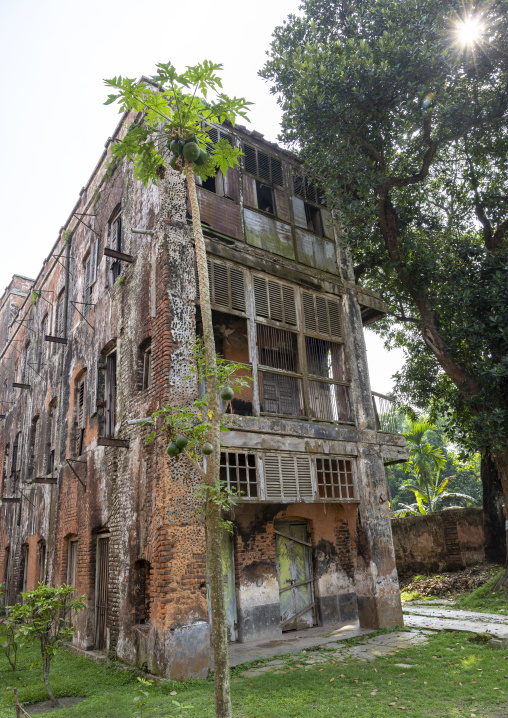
column 207, row 448
column 181, row 441
column 201, row 160
column 191, row 151
column 172, row 449
column 227, row 393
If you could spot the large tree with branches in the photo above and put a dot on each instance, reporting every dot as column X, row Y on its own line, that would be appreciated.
column 400, row 108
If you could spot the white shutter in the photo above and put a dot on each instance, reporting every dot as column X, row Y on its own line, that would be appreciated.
column 288, row 477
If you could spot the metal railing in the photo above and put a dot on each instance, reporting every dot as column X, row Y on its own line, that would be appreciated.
column 386, row 413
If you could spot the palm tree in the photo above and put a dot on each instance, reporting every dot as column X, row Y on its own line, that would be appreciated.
column 425, row 464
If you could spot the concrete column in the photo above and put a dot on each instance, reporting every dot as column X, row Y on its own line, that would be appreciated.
column 376, row 579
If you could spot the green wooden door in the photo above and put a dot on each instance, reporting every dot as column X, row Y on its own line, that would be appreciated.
column 294, row 567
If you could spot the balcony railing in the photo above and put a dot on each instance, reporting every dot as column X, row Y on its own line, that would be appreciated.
column 386, row 413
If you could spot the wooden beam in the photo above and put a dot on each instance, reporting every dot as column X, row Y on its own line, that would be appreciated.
column 45, row 480
column 19, row 385
column 57, row 340
column 118, row 255
column 118, row 443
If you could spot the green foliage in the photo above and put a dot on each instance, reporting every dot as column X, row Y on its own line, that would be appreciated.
column 68, row 237
column 429, row 472
column 406, row 127
column 10, row 639
column 176, row 108
column 35, row 296
column 486, row 598
column 44, row 617
column 142, row 696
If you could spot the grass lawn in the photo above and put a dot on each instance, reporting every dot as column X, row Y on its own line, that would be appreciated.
column 450, row 676
column 484, row 598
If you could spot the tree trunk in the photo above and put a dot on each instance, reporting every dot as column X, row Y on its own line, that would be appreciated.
column 213, row 514
column 493, row 514
column 501, row 462
column 45, row 674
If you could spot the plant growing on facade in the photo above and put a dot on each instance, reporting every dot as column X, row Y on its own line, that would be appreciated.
column 44, row 617
column 176, row 111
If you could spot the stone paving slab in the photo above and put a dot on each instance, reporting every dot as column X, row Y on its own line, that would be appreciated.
column 376, row 647
column 294, row 642
column 449, row 624
column 457, row 615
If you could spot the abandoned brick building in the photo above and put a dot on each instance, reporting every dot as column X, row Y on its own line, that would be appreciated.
column 102, row 337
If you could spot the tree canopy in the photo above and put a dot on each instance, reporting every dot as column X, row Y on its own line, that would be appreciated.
column 400, row 110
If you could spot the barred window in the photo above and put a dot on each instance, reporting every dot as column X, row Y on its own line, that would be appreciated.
column 238, row 470
column 335, row 478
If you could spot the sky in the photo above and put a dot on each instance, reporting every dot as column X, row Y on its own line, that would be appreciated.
column 54, row 56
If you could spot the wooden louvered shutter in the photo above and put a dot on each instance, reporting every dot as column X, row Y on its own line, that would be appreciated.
column 321, row 316
column 275, row 301
column 288, row 477
column 81, row 404
column 93, row 267
column 227, row 287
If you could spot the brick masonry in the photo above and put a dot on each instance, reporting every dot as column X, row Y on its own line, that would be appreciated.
column 69, row 489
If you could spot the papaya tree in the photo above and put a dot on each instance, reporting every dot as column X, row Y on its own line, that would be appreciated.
column 400, row 109
column 175, row 111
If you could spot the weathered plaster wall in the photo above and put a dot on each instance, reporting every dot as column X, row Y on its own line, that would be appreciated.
column 425, row 544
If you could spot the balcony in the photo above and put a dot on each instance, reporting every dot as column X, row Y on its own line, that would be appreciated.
column 386, row 413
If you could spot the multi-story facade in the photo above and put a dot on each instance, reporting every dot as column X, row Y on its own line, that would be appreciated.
column 103, row 336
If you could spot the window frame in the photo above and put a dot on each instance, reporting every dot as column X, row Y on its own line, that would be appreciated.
column 261, row 458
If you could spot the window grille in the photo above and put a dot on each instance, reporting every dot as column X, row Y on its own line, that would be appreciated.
column 335, row 478
column 264, row 166
column 215, row 135
column 238, row 470
column 227, row 287
column 288, row 477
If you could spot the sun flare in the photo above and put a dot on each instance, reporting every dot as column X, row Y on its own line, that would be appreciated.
column 469, row 30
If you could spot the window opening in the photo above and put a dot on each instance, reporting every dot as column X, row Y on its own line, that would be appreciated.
column 41, row 345
column 24, row 556
column 209, row 184
column 335, row 478
column 42, row 561
column 116, row 244
column 265, row 199
column 101, row 591
column 81, row 415
column 6, row 460
column 147, row 366
column 34, row 441
column 51, row 438
column 72, row 554
column 314, row 219
column 141, row 593
column 238, row 470
column 279, row 393
column 14, row 462
column 110, row 395
column 59, row 315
